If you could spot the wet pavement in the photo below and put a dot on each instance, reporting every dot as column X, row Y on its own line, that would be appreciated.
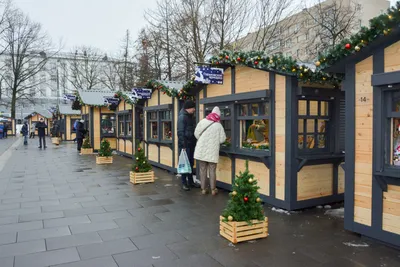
column 6, row 143
column 61, row 209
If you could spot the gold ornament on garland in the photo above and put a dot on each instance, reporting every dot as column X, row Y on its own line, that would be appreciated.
column 258, row 199
column 234, row 193
column 250, row 180
column 317, row 63
column 230, row 218
column 357, row 48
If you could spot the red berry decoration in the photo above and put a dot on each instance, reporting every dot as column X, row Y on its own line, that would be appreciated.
column 246, row 199
column 256, row 62
column 348, row 46
column 137, row 168
column 115, row 96
column 139, row 149
column 238, row 59
column 227, row 57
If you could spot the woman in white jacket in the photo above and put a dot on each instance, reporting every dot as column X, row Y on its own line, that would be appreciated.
column 210, row 135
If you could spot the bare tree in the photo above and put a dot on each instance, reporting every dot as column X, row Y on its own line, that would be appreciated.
column 26, row 51
column 332, row 22
column 85, row 67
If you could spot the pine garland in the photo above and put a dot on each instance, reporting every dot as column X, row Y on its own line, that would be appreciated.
column 277, row 63
column 125, row 97
column 182, row 94
column 379, row 26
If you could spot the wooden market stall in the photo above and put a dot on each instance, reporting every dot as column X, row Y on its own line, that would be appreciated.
column 37, row 115
column 372, row 85
column 282, row 119
column 161, row 119
column 68, row 117
column 100, row 118
column 11, row 125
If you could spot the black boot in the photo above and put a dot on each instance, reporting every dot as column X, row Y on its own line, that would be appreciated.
column 185, row 187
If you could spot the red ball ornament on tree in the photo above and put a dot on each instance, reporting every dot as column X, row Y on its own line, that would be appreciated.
column 246, row 199
column 238, row 59
column 227, row 57
column 137, row 168
column 139, row 149
column 347, row 46
column 256, row 62
column 115, row 96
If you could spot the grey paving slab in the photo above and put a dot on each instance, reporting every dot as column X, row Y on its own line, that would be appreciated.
column 77, row 199
column 73, row 240
column 106, row 248
column 16, row 227
column 66, row 221
column 93, row 227
column 56, row 196
column 198, row 260
column 145, row 257
column 47, row 258
column 120, row 233
column 42, row 203
column 20, row 200
column 22, row 248
column 68, row 206
column 10, row 206
column 8, row 238
column 14, row 212
column 161, row 239
column 98, row 262
column 8, row 220
column 109, row 216
column 7, row 262
column 84, row 211
column 41, row 216
column 43, row 233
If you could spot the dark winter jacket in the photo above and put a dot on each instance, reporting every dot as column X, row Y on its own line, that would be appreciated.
column 80, row 131
column 186, row 127
column 55, row 131
column 25, row 130
column 41, row 127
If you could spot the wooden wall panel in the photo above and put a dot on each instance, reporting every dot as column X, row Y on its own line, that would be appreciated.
column 153, row 101
column 153, row 153
column 68, row 127
column 280, row 133
column 121, row 105
column 315, row 182
column 96, row 128
column 166, row 156
column 363, row 142
column 201, row 94
column 260, row 172
column 391, row 209
column 250, row 80
column 214, row 90
column 164, row 99
column 341, row 180
column 113, row 142
column 224, row 170
column 121, row 145
column 128, row 147
column 106, row 110
column 392, row 56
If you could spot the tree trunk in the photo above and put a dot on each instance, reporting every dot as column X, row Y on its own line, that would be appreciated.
column 13, row 103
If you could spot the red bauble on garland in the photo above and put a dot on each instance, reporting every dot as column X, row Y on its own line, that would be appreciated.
column 246, row 199
column 227, row 57
column 256, row 62
column 347, row 46
column 139, row 149
column 238, row 59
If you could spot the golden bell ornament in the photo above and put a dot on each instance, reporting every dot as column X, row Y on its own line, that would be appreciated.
column 258, row 199
column 317, row 63
column 230, row 218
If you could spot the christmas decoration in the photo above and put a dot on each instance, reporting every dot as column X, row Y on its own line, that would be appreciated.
column 171, row 92
column 379, row 26
column 86, row 143
column 141, row 164
column 357, row 48
column 347, row 46
column 258, row 199
column 230, row 218
column 125, row 97
column 250, row 180
column 243, row 205
column 277, row 63
column 105, row 148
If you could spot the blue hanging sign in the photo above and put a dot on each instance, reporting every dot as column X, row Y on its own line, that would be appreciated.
column 141, row 93
column 111, row 100
column 208, row 75
column 69, row 97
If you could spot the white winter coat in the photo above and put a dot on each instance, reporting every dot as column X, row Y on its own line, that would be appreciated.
column 207, row 147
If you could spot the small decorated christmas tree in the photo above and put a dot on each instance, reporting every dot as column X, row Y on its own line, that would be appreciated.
column 86, row 143
column 141, row 164
column 105, row 149
column 245, row 202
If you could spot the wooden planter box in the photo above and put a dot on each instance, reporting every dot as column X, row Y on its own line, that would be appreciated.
column 55, row 141
column 86, row 151
column 104, row 160
column 141, row 177
column 241, row 231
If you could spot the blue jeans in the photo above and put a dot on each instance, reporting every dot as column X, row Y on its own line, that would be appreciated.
column 187, row 178
column 25, row 139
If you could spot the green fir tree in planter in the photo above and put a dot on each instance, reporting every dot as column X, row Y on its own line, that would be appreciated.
column 245, row 202
column 141, row 164
column 86, row 143
column 105, row 149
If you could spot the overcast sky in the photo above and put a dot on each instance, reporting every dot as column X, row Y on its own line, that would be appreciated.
column 99, row 23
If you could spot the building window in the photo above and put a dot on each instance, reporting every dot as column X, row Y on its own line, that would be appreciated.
column 125, row 125
column 153, row 125
column 128, row 124
column 166, row 122
column 393, row 127
column 253, row 121
column 313, row 125
column 226, row 122
column 107, row 125
column 121, row 125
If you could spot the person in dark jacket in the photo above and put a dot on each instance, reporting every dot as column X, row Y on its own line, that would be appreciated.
column 187, row 140
column 41, row 127
column 80, row 134
column 5, row 130
column 25, row 132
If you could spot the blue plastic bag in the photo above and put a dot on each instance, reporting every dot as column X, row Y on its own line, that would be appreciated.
column 183, row 163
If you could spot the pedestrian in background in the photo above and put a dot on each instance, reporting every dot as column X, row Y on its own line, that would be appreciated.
column 32, row 131
column 80, row 134
column 25, row 132
column 210, row 135
column 186, row 140
column 5, row 130
column 41, row 126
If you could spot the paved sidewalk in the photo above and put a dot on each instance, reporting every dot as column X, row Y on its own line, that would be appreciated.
column 61, row 209
column 6, row 143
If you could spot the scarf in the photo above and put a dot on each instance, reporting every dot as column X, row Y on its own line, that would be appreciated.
column 213, row 117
